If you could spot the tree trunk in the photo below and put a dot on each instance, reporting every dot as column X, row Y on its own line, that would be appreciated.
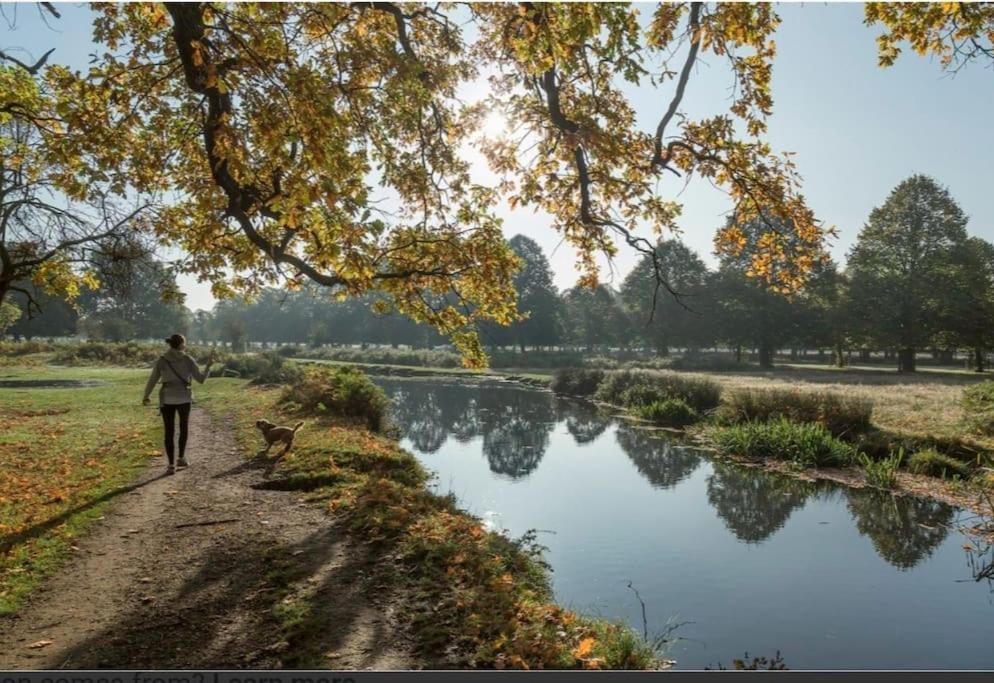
column 838, row 357
column 738, row 353
column 947, row 356
column 978, row 359
column 906, row 360
column 765, row 357
column 864, row 355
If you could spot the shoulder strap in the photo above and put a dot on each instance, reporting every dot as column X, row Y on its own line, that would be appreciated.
column 178, row 376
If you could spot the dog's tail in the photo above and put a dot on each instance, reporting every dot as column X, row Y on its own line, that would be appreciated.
column 299, row 425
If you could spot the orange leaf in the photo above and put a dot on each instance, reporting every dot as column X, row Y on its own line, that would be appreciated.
column 583, row 649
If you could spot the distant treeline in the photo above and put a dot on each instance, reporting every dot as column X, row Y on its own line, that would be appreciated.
column 914, row 281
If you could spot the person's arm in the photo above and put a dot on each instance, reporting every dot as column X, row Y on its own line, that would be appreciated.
column 152, row 380
column 197, row 374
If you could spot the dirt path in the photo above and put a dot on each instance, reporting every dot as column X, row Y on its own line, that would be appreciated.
column 154, row 586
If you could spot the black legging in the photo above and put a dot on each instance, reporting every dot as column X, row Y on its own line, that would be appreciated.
column 169, row 421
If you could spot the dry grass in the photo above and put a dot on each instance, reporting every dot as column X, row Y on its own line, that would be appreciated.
column 923, row 405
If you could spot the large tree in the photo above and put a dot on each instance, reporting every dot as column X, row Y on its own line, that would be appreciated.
column 593, row 318
column 663, row 322
column 899, row 266
column 324, row 142
column 967, row 316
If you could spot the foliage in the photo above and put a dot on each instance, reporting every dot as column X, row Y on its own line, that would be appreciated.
column 671, row 412
column 802, row 443
column 840, row 413
column 900, row 264
column 107, row 353
column 577, row 381
column 9, row 348
column 978, row 407
column 262, row 368
column 633, row 387
column 9, row 314
column 882, row 473
column 65, row 456
column 343, row 392
column 709, row 362
column 956, row 32
column 936, row 464
column 435, row 358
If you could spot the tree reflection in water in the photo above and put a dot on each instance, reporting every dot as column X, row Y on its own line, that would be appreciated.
column 904, row 530
column 662, row 462
column 752, row 503
column 584, row 421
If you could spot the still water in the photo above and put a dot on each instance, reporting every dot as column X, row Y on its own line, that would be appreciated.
column 737, row 560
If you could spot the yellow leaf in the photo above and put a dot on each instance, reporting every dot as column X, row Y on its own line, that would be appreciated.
column 584, row 648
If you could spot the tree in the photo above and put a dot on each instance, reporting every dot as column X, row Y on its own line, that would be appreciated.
column 57, row 317
column 138, row 297
column 538, row 300
column 664, row 322
column 967, row 317
column 9, row 314
column 281, row 129
column 956, row 32
column 899, row 266
column 821, row 312
column 592, row 318
column 58, row 201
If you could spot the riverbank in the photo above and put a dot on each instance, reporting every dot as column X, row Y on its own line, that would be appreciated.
column 458, row 595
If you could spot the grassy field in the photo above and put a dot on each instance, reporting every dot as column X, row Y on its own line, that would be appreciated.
column 65, row 454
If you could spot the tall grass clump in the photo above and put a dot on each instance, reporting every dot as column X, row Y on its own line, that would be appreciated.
column 671, row 412
column 642, row 387
column 804, row 444
column 342, row 392
column 882, row 473
column 935, row 464
column 978, row 407
column 577, row 381
column 841, row 414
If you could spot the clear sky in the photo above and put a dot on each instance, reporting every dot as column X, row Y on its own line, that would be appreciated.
column 857, row 130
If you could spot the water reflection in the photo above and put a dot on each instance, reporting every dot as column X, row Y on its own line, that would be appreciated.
column 904, row 530
column 661, row 461
column 752, row 503
column 516, row 424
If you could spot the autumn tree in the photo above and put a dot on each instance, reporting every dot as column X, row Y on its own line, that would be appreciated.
column 899, row 266
column 323, row 142
column 956, row 32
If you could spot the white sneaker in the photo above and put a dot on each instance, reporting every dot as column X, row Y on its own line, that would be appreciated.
column 182, row 463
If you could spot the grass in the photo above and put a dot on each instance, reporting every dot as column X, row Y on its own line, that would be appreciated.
column 670, row 412
column 978, row 408
column 641, row 387
column 476, row 593
column 882, row 473
column 936, row 464
column 65, row 455
column 840, row 413
column 803, row 444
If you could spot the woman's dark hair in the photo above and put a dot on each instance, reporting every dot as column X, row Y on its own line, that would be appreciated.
column 176, row 341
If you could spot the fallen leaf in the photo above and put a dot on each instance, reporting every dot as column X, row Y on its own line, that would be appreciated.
column 583, row 649
column 40, row 643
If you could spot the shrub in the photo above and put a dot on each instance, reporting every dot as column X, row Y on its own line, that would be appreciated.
column 839, row 413
column 24, row 348
column 344, row 391
column 882, row 473
column 805, row 444
column 936, row 464
column 577, row 381
column 107, row 353
column 263, row 368
column 288, row 351
column 978, row 406
column 435, row 358
column 672, row 412
column 711, row 363
column 640, row 387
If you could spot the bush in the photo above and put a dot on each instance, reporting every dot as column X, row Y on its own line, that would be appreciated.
column 936, row 464
column 882, row 473
column 673, row 412
column 288, row 351
column 978, row 405
column 389, row 356
column 710, row 363
column 107, row 353
column 24, row 348
column 804, row 444
column 263, row 368
column 641, row 387
column 344, row 391
column 577, row 381
column 840, row 414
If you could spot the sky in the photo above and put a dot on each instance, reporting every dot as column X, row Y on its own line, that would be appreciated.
column 857, row 130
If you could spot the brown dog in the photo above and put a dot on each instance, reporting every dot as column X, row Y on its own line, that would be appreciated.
column 273, row 435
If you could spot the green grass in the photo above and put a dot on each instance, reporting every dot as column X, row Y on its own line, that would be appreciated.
column 803, row 444
column 65, row 455
column 670, row 412
column 640, row 387
column 839, row 413
column 881, row 473
column 935, row 464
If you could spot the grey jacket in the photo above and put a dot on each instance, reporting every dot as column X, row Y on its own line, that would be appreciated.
column 177, row 370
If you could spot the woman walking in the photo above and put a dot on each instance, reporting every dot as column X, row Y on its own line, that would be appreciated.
column 177, row 370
